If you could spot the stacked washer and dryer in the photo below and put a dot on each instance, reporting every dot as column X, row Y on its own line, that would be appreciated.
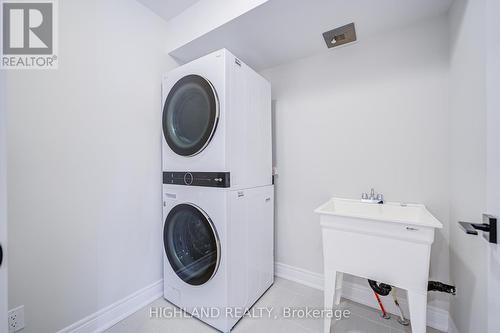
column 218, row 195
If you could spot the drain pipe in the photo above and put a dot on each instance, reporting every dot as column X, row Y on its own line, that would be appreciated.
column 402, row 320
column 383, row 289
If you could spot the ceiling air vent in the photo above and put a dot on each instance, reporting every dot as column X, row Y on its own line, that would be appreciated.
column 340, row 36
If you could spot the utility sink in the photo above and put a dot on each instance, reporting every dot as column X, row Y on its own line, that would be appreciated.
column 408, row 214
column 389, row 243
column 392, row 219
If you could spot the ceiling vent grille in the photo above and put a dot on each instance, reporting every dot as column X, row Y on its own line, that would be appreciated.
column 340, row 36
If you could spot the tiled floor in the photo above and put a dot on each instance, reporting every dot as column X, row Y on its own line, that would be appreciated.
column 283, row 293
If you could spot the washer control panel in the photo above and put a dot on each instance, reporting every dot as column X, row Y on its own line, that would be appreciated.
column 207, row 179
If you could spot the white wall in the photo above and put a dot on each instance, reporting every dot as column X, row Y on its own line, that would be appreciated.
column 372, row 114
column 468, row 162
column 84, row 165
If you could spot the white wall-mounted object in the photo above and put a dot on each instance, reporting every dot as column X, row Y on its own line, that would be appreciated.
column 217, row 118
column 218, row 249
column 389, row 243
column 280, row 31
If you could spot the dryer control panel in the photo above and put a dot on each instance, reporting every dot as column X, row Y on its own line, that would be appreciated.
column 207, row 179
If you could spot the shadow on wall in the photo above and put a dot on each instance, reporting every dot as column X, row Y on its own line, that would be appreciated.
column 456, row 26
column 467, row 280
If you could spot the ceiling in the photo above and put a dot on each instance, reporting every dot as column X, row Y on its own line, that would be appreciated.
column 280, row 31
column 167, row 8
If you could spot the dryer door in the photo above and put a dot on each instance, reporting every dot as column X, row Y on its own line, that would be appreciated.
column 191, row 244
column 190, row 115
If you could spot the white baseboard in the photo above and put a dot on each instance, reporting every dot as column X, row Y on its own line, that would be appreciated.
column 299, row 275
column 436, row 317
column 114, row 313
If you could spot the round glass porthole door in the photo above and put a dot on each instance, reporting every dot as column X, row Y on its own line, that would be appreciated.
column 191, row 244
column 190, row 115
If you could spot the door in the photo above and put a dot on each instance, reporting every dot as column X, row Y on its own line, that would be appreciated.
column 3, row 210
column 190, row 115
column 493, row 155
column 191, row 244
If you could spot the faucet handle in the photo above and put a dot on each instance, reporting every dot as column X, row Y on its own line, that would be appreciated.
column 364, row 196
column 380, row 197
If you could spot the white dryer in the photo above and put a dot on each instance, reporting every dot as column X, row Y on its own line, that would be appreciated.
column 218, row 250
column 217, row 120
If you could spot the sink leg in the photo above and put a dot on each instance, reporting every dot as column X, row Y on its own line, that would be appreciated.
column 338, row 287
column 329, row 294
column 417, row 302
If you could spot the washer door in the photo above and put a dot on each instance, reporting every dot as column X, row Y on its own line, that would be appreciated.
column 190, row 115
column 191, row 244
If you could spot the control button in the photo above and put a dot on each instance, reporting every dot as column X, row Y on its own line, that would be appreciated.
column 188, row 178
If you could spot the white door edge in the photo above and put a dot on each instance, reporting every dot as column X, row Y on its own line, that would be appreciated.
column 3, row 208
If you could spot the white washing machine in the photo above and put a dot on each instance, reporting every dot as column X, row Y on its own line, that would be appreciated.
column 218, row 250
column 217, row 123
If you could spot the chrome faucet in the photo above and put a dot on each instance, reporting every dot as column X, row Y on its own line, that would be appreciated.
column 373, row 197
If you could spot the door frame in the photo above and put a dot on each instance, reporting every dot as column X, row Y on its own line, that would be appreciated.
column 493, row 155
column 3, row 208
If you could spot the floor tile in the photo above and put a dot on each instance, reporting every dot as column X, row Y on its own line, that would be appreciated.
column 358, row 324
column 282, row 295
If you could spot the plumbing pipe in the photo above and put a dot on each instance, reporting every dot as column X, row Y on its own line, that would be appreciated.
column 381, row 289
column 384, row 314
column 402, row 320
